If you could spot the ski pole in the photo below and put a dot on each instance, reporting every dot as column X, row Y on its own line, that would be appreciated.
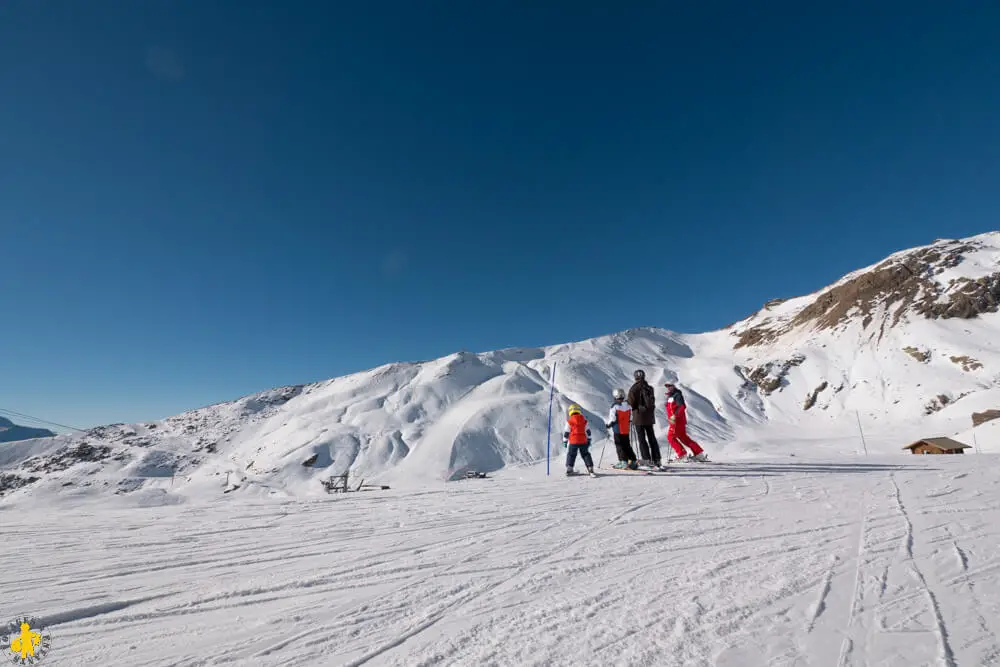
column 602, row 454
column 633, row 432
column 634, row 436
column 548, row 434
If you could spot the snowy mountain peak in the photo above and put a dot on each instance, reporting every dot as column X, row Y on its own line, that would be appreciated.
column 950, row 278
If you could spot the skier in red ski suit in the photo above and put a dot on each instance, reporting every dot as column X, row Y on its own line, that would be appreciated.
column 677, row 431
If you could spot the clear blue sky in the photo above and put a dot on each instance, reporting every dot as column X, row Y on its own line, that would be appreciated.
column 199, row 200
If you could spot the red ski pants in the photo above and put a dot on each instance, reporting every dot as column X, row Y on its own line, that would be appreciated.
column 678, row 438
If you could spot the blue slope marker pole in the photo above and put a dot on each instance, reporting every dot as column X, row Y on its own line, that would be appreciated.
column 548, row 443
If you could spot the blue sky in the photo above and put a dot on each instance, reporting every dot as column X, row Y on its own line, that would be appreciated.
column 199, row 200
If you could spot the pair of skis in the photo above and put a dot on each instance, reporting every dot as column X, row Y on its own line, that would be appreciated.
column 641, row 470
column 651, row 469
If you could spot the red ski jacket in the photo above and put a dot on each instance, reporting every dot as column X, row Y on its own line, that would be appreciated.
column 676, row 409
column 577, row 432
column 620, row 418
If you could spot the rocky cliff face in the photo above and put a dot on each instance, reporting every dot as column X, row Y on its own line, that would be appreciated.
column 947, row 279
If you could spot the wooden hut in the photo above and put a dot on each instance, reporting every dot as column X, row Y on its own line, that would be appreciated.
column 937, row 446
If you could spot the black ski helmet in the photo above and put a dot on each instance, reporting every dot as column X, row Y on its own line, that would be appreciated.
column 639, row 374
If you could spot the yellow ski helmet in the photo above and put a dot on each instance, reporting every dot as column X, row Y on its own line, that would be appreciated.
column 575, row 410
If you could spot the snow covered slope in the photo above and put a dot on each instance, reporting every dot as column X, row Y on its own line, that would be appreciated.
column 763, row 563
column 984, row 438
column 896, row 341
column 902, row 349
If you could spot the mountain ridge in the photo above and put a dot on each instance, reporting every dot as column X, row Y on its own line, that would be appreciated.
column 11, row 432
column 913, row 277
column 889, row 354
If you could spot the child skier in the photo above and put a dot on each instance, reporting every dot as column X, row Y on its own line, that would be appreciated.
column 619, row 421
column 576, row 437
column 677, row 431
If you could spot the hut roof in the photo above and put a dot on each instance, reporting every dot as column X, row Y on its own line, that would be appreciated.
column 940, row 443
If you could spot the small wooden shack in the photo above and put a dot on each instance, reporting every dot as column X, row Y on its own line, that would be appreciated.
column 937, row 446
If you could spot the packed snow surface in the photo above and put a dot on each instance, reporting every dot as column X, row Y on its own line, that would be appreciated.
column 846, row 560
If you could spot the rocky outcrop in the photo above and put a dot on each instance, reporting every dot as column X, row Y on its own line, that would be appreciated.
column 770, row 377
column 10, row 482
column 967, row 299
column 82, row 452
column 936, row 404
column 759, row 335
column 967, row 363
column 942, row 400
column 896, row 287
column 923, row 356
column 812, row 397
column 985, row 416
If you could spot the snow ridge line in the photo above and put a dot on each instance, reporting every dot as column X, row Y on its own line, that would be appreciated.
column 85, row 613
column 941, row 630
column 848, row 644
column 963, row 560
column 820, row 606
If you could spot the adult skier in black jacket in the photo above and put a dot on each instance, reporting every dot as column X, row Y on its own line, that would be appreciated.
column 642, row 398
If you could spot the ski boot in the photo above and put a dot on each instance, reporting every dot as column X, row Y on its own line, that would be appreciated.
column 700, row 458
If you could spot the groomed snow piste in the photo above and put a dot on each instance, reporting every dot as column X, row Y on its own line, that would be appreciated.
column 799, row 561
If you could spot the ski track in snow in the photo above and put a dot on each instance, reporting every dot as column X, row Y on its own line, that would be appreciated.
column 751, row 563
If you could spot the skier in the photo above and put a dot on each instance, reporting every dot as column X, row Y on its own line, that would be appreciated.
column 677, row 431
column 643, row 401
column 619, row 421
column 576, row 438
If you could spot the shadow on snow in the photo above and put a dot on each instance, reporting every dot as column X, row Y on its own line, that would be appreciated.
column 734, row 469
